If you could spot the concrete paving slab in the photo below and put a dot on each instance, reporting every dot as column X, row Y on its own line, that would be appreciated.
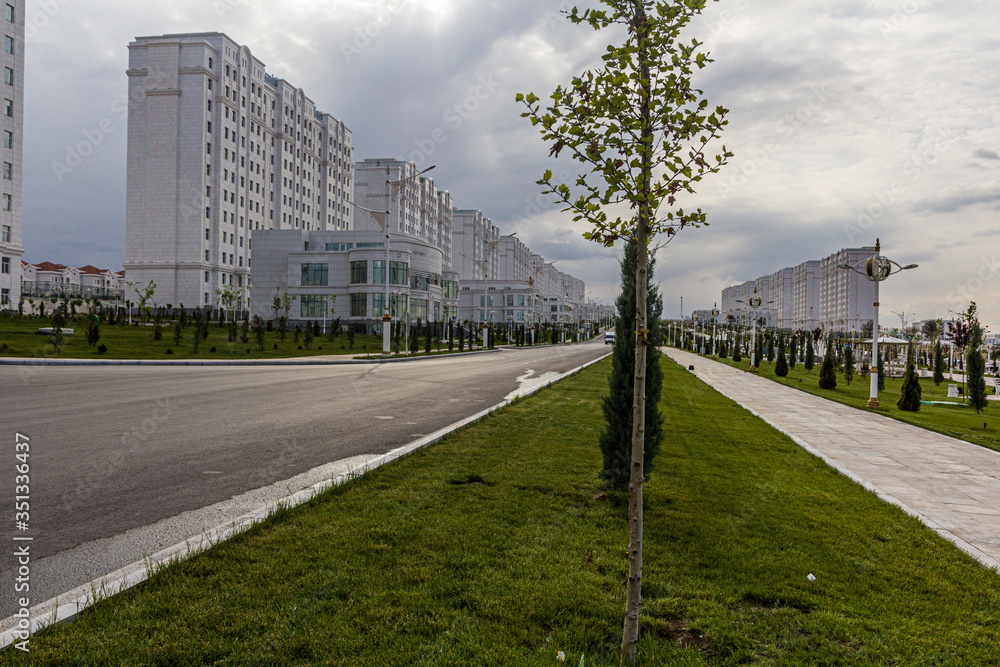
column 951, row 485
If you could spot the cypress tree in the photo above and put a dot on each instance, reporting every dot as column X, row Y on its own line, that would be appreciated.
column 793, row 352
column 461, row 339
column 827, row 375
column 414, row 341
column 616, row 440
column 938, row 364
column 848, row 364
column 810, row 355
column 737, row 357
column 909, row 399
column 881, row 370
column 976, row 368
column 781, row 368
column 427, row 339
column 770, row 347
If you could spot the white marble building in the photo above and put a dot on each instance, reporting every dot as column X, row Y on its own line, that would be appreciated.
column 11, row 249
column 217, row 149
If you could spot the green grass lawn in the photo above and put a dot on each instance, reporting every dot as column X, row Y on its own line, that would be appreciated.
column 958, row 421
column 498, row 547
column 126, row 342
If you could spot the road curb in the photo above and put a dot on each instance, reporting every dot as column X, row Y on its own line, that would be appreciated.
column 65, row 607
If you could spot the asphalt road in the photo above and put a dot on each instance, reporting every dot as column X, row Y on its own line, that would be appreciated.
column 128, row 460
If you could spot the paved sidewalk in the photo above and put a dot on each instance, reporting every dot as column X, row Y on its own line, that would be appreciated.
column 951, row 485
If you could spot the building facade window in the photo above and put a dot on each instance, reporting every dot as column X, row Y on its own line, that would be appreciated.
column 8, row 44
column 359, row 273
column 8, row 108
column 418, row 309
column 313, row 305
column 9, row 12
column 8, row 202
column 398, row 302
column 5, row 265
column 8, row 76
column 315, row 275
column 5, row 234
column 8, row 139
column 359, row 305
column 399, row 273
column 451, row 289
column 4, row 297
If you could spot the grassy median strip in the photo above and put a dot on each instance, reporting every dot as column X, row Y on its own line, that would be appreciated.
column 957, row 420
column 19, row 338
column 497, row 547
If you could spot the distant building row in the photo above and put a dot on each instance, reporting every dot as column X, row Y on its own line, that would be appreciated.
column 813, row 294
column 225, row 161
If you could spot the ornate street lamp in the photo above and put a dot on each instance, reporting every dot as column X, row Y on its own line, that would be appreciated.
column 876, row 269
column 390, row 200
column 715, row 341
column 754, row 303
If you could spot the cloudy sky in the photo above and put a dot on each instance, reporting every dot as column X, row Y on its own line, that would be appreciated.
column 850, row 120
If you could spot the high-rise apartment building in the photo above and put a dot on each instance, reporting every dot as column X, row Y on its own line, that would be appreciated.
column 477, row 246
column 11, row 248
column 817, row 293
column 219, row 148
column 416, row 207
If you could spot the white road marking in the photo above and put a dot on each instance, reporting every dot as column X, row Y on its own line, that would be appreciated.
column 528, row 383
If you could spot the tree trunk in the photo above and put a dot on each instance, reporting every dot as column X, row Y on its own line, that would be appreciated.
column 633, row 591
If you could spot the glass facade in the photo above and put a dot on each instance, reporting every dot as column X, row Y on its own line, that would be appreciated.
column 451, row 289
column 313, row 305
column 315, row 275
column 359, row 273
column 399, row 303
column 399, row 273
column 359, row 305
column 418, row 309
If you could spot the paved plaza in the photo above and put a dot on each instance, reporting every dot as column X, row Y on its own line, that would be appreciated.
column 951, row 485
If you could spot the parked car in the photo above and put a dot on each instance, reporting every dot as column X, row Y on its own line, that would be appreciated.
column 609, row 338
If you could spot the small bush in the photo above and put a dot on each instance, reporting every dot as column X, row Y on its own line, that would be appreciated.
column 101, row 349
column 212, row 350
column 169, row 351
column 3, row 348
column 827, row 375
column 276, row 346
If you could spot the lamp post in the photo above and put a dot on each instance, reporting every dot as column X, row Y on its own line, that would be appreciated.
column 131, row 284
column 715, row 342
column 390, row 200
column 876, row 269
column 249, row 294
column 754, row 303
